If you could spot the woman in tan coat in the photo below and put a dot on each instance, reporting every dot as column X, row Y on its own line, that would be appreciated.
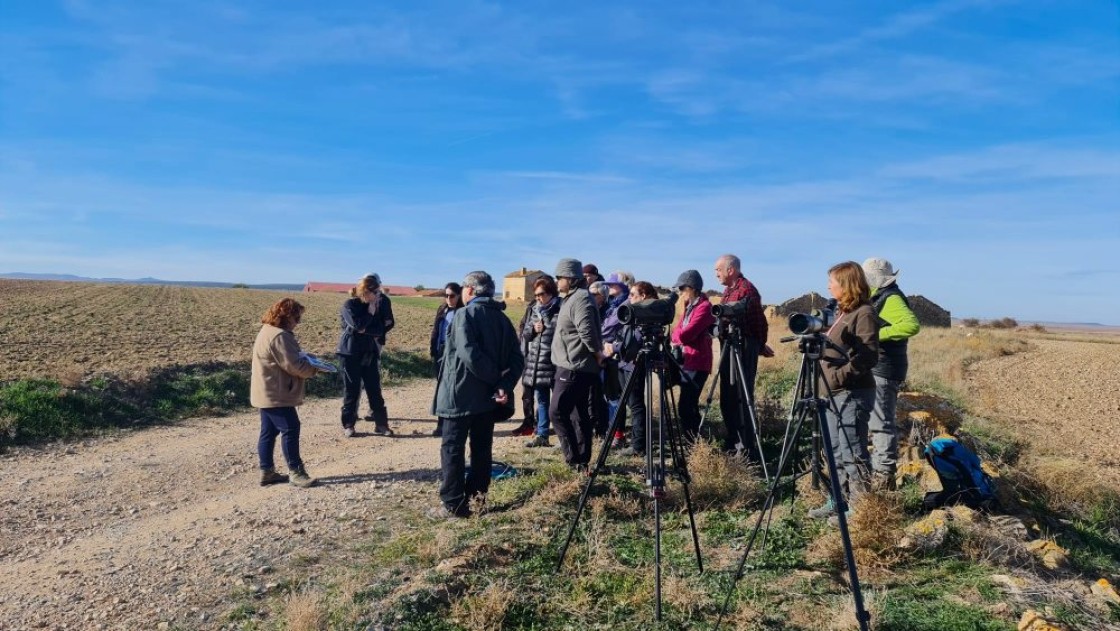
column 277, row 387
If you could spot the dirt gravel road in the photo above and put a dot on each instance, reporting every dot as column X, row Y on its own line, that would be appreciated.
column 1063, row 395
column 157, row 528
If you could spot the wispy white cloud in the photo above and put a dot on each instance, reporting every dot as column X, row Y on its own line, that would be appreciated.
column 894, row 27
column 1012, row 162
column 569, row 176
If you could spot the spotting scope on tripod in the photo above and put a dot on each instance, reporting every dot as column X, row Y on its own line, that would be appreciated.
column 809, row 408
column 664, row 450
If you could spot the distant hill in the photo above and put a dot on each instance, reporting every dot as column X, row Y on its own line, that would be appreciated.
column 149, row 281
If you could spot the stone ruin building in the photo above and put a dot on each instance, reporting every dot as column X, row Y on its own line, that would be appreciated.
column 929, row 313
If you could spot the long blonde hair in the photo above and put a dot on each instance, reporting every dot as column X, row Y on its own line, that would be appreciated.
column 854, row 290
column 368, row 283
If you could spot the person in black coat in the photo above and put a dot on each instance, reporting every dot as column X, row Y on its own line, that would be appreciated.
column 366, row 318
column 536, row 346
column 452, row 301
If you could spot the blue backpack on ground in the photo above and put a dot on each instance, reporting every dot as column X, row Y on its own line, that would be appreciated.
column 498, row 471
column 962, row 478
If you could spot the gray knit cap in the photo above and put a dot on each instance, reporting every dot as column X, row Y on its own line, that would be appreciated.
column 690, row 278
column 879, row 272
column 569, row 268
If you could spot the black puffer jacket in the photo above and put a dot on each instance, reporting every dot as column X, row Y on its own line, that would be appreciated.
column 537, row 347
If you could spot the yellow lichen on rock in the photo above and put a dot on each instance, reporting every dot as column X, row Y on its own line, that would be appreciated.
column 1105, row 590
column 1053, row 556
column 928, row 533
column 1033, row 621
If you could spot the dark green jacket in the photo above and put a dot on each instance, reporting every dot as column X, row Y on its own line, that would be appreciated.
column 481, row 356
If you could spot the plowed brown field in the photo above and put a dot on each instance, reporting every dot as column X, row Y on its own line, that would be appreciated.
column 69, row 330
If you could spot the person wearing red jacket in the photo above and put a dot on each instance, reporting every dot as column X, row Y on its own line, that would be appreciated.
column 754, row 329
column 691, row 335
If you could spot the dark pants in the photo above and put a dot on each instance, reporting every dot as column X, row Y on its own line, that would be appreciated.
column 528, row 405
column 283, row 422
column 689, row 405
column 570, row 398
column 355, row 374
column 635, row 407
column 736, row 419
column 597, row 406
column 454, row 491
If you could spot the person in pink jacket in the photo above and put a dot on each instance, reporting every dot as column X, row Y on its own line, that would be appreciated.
column 692, row 335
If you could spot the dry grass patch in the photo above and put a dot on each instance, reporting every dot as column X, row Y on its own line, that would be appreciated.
column 940, row 357
column 719, row 480
column 1068, row 486
column 486, row 610
column 875, row 527
column 683, row 595
column 304, row 610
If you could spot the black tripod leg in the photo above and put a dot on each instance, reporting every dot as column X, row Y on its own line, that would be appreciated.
column 600, row 462
column 680, row 469
column 712, row 386
column 746, row 404
column 862, row 616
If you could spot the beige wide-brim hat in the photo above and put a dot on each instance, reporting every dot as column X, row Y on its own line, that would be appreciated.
column 879, row 272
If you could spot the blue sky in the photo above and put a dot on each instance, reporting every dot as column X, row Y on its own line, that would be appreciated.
column 972, row 142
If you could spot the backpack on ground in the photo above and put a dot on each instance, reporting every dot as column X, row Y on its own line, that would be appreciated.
column 962, row 479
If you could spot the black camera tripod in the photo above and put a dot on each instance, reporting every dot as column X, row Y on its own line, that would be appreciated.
column 652, row 359
column 731, row 356
column 808, row 405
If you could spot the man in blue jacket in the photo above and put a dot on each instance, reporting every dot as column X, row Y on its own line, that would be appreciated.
column 482, row 362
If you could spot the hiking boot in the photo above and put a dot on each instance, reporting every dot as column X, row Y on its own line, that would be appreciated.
column 269, row 476
column 382, row 429
column 300, row 478
column 443, row 513
column 348, row 431
column 823, row 511
column 539, row 441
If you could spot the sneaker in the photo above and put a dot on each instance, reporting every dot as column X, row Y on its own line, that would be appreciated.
column 348, row 431
column 630, row 452
column 824, row 510
column 269, row 476
column 539, row 441
column 443, row 513
column 382, row 429
column 300, row 478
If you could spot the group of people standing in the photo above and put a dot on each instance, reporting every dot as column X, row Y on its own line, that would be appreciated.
column 566, row 352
